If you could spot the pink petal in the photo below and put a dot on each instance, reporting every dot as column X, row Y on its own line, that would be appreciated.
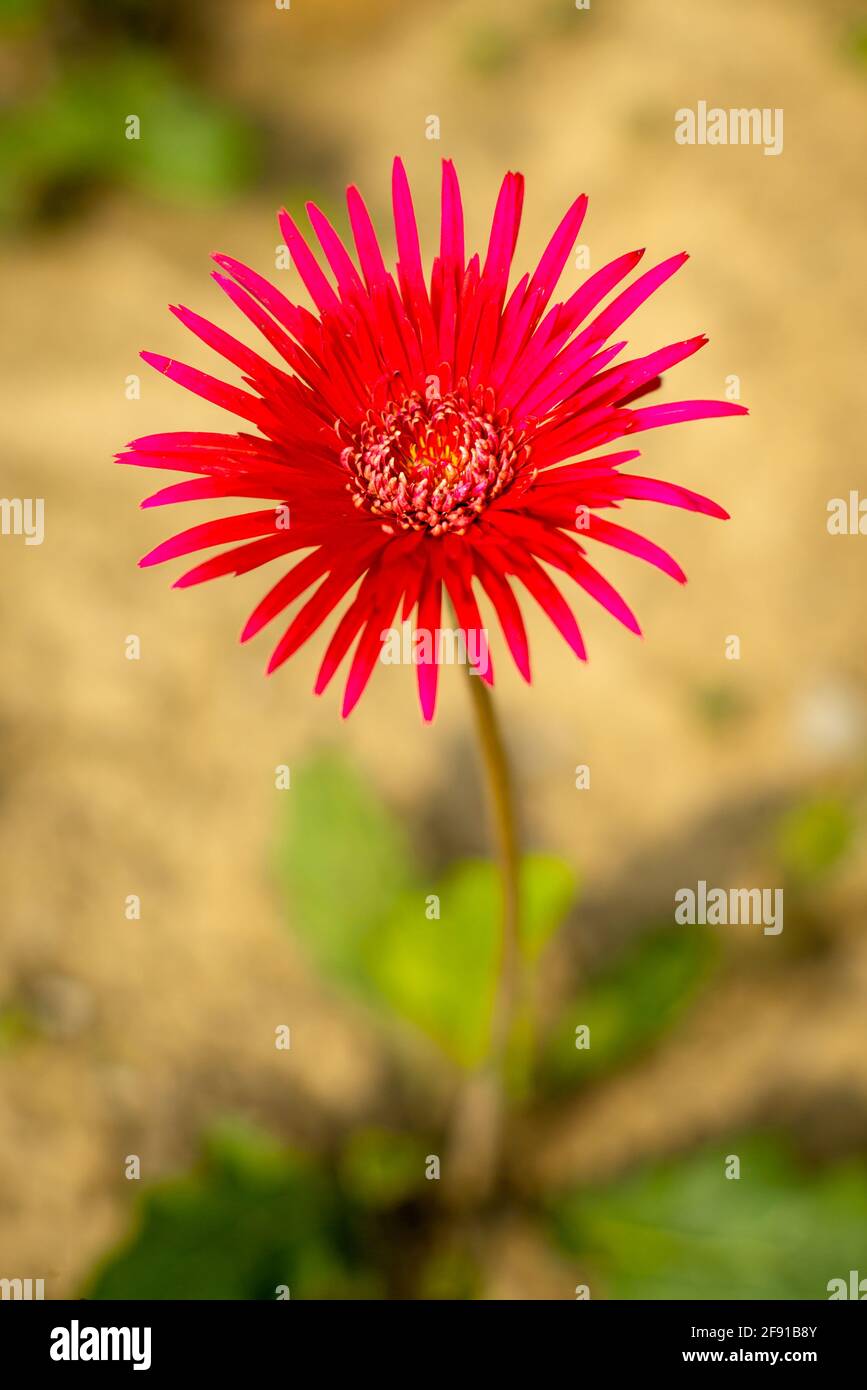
column 315, row 282
column 347, row 277
column 230, row 528
column 369, row 254
column 429, row 606
column 310, row 617
column 505, row 604
column 623, row 539
column 208, row 387
column 452, row 228
column 625, row 305
column 676, row 412
column 458, row 578
column 654, row 490
column 305, row 573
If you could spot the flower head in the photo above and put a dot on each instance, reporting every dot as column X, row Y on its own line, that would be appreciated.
column 423, row 439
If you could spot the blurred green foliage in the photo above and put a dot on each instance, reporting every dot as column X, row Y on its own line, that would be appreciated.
column 342, row 863
column 856, row 42
column 365, row 1222
column 16, row 1026
column 683, row 1230
column 16, row 14
column 441, row 974
column 82, row 69
column 813, row 837
column 70, row 139
column 428, row 951
column 629, row 1005
column 495, row 48
column 381, row 1169
column 720, row 706
column 491, row 50
column 252, row 1218
column 548, row 889
column 450, row 1273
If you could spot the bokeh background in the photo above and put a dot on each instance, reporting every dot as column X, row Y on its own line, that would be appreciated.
column 156, row 777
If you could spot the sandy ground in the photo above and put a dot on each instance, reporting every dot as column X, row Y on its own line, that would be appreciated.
column 155, row 777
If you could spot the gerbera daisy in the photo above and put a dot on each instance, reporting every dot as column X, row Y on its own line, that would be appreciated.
column 424, row 440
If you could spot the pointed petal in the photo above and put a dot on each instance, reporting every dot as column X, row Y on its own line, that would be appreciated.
column 429, row 609
column 229, row 528
column 452, row 228
column 367, row 245
column 308, row 268
column 505, row 604
column 208, row 387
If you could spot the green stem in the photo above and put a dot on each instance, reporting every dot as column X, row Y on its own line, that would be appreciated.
column 477, row 1125
column 502, row 804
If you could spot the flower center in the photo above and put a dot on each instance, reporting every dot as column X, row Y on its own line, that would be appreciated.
column 432, row 463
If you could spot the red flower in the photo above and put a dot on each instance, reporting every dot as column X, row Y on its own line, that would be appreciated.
column 418, row 439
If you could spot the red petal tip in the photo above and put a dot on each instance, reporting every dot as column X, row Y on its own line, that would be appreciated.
column 156, row 360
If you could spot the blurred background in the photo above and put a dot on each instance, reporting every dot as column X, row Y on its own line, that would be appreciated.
column 260, row 909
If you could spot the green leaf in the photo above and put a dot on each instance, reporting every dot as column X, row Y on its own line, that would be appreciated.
column 451, row 1273
column 813, row 837
column 683, row 1230
column 548, row 889
column 441, row 974
column 629, row 1005
column 15, row 14
column 70, row 137
column 381, row 1169
column 190, row 145
column 342, row 861
column 354, row 898
column 251, row 1219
